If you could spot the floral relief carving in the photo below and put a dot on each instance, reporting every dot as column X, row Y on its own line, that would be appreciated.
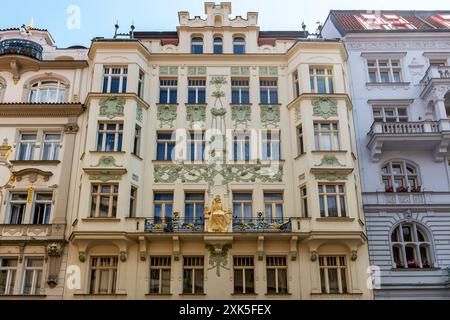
column 105, row 177
column 270, row 115
column 166, row 115
column 106, row 161
column 139, row 114
column 112, row 107
column 324, row 108
column 241, row 115
column 195, row 114
column 331, row 176
column 330, row 161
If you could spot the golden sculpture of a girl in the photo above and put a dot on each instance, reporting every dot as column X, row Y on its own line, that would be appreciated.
column 218, row 219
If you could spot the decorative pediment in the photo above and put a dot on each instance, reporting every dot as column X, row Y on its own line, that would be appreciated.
column 32, row 174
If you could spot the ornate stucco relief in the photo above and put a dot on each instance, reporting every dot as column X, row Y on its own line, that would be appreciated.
column 270, row 115
column 324, row 108
column 196, row 114
column 241, row 115
column 112, row 107
column 166, row 115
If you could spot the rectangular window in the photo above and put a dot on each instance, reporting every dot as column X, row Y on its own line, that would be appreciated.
column 168, row 91
column 42, row 208
column 241, row 146
column 333, row 276
column 137, row 141
column 271, row 145
column 17, row 207
column 133, row 201
column 239, row 45
column 193, row 275
column 244, row 275
column 165, row 146
column 384, row 70
column 321, row 79
column 240, row 91
column 8, row 270
column 160, row 275
column 104, row 200
column 196, row 146
column 276, row 275
column 109, row 137
column 197, row 91
column 273, row 203
column 140, row 91
column 242, row 207
column 296, row 84
column 26, row 146
column 326, row 136
column 194, row 207
column 390, row 114
column 163, row 206
column 304, row 201
column 52, row 143
column 103, row 276
column 300, row 144
column 32, row 278
column 115, row 80
column 332, row 200
column 268, row 91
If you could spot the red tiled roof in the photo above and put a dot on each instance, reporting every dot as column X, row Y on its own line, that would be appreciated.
column 169, row 41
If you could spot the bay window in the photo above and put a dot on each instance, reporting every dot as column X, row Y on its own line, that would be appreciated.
column 104, row 200
column 115, row 79
column 109, row 137
column 326, row 136
column 321, row 80
column 332, row 200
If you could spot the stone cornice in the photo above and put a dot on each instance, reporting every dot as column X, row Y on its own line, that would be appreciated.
column 41, row 109
column 315, row 96
column 117, row 44
column 100, row 95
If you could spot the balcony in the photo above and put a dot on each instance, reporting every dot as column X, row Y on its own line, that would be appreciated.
column 262, row 225
column 30, row 232
column 21, row 47
column 400, row 136
column 413, row 199
column 172, row 225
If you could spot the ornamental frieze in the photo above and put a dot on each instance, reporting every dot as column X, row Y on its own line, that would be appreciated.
column 330, row 161
column 112, row 107
column 166, row 115
column 270, row 115
column 241, row 115
column 331, row 176
column 196, row 114
column 324, row 108
column 106, row 161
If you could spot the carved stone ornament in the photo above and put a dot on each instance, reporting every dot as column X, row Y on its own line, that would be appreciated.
column 331, row 176
column 240, row 71
column 354, row 256
column 195, row 114
column 325, row 108
column 168, row 70
column 218, row 257
column 107, row 161
column 105, row 177
column 241, row 115
column 313, row 256
column 196, row 71
column 71, row 128
column 112, row 107
column 330, row 161
column 81, row 256
column 270, row 115
column 123, row 256
column 218, row 218
column 166, row 115
column 139, row 114
column 54, row 249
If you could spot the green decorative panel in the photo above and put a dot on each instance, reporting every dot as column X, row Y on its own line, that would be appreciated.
column 194, row 173
column 270, row 115
column 196, row 71
column 268, row 71
column 330, row 161
column 195, row 114
column 166, row 115
column 107, row 161
column 135, row 177
column 325, row 108
column 302, row 177
column 298, row 114
column 168, row 71
column 240, row 71
column 112, row 107
column 139, row 114
column 241, row 115
column 105, row 177
column 330, row 176
column 218, row 257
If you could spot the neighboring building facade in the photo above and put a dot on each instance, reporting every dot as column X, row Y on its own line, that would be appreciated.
column 218, row 162
column 41, row 89
column 400, row 78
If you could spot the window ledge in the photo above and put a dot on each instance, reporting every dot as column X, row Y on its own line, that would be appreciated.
column 163, row 161
column 100, row 294
column 278, row 294
column 336, row 295
column 35, row 162
column 300, row 156
column 193, row 294
column 187, row 104
column 329, row 151
column 240, row 104
column 137, row 157
column 105, row 152
column 158, row 294
column 245, row 294
column 270, row 104
column 22, row 296
column 167, row 104
column 339, row 219
column 415, row 269
column 387, row 84
column 100, row 220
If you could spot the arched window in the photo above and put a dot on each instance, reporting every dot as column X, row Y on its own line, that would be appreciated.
column 47, row 91
column 218, row 45
column 197, row 45
column 411, row 247
column 400, row 176
column 238, row 45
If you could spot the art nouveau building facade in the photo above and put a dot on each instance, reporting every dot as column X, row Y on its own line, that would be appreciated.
column 217, row 162
column 41, row 89
column 400, row 78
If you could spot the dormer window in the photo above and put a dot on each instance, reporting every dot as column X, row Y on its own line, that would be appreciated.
column 238, row 45
column 49, row 91
column 197, row 45
column 218, row 45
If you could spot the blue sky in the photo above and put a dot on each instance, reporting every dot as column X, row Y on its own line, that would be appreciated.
column 97, row 17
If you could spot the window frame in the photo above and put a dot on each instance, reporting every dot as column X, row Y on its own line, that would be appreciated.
column 277, row 268
column 271, row 145
column 55, row 146
column 241, row 142
column 197, row 85
column 239, row 44
column 118, row 132
column 194, row 267
column 47, row 216
column 373, row 65
column 113, row 271
column 133, row 201
column 164, row 203
column 267, row 87
column 339, row 197
column 37, row 88
column 319, row 132
column 194, row 144
column 242, row 204
column 327, row 76
column 274, row 204
column 108, row 75
column 11, row 275
column 197, row 45
column 217, row 45
column 113, row 196
column 240, row 86
column 248, row 264
column 161, row 267
column 404, row 174
column 30, row 146
column 168, row 156
column 341, row 268
column 137, row 141
column 170, row 87
column 304, row 201
column 23, row 202
column 385, row 118
column 36, row 287
column 196, row 203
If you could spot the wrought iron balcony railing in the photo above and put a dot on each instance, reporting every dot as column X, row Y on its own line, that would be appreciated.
column 262, row 225
column 174, row 225
column 21, row 47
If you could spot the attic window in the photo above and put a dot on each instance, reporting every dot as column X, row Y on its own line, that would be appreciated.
column 391, row 16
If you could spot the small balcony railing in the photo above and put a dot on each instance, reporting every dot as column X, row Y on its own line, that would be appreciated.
column 170, row 225
column 262, row 225
column 21, row 47
column 436, row 72
column 405, row 127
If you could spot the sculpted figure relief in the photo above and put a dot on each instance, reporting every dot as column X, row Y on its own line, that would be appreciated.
column 218, row 219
